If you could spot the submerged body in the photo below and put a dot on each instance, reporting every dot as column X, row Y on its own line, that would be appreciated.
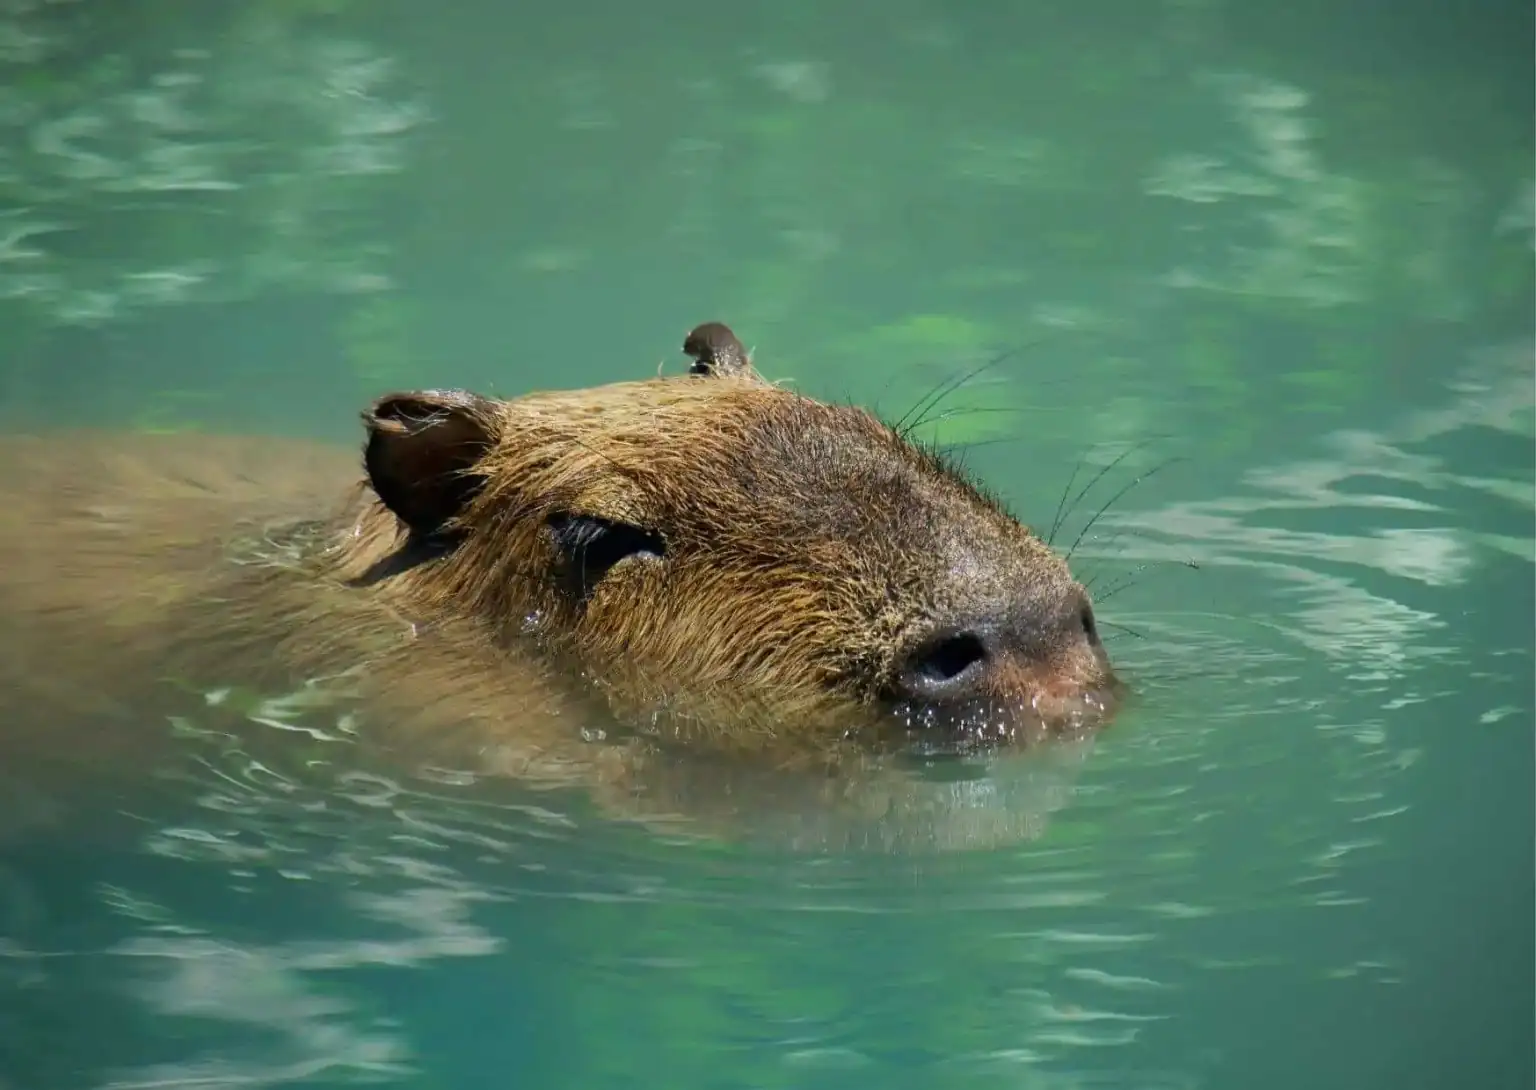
column 692, row 597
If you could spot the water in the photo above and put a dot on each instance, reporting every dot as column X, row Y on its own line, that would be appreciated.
column 1289, row 246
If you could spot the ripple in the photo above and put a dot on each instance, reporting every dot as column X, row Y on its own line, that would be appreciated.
column 1260, row 771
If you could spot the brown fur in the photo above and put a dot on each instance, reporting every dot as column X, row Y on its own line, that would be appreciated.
column 790, row 553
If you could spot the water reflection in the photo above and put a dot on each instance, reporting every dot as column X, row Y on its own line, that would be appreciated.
column 1210, row 850
column 259, row 138
column 1390, row 484
column 1263, row 770
column 1311, row 224
column 297, row 1028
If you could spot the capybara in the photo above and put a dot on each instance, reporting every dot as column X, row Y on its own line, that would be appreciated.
column 696, row 597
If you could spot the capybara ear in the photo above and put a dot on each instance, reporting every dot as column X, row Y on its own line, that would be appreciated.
column 717, row 352
column 422, row 450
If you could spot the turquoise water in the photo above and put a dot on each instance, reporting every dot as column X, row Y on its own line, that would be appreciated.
column 1278, row 257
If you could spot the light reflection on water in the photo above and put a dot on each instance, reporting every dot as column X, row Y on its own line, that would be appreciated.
column 1263, row 762
column 1207, row 870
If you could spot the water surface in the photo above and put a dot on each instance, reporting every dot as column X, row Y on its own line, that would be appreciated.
column 1278, row 258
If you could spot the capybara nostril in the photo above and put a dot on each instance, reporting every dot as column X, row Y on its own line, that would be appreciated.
column 946, row 666
column 710, row 567
column 1089, row 624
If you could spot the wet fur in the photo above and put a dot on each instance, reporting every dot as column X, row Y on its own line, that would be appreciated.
column 131, row 561
column 128, row 562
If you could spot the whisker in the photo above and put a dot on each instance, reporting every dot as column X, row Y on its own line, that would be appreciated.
column 938, row 394
column 1123, row 583
column 1115, row 498
column 1124, row 629
column 926, row 404
column 970, row 410
column 1115, row 545
column 1132, row 449
column 1062, row 503
column 1129, row 581
column 978, row 444
column 961, row 412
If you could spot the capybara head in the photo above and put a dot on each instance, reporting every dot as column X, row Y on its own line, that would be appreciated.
column 737, row 560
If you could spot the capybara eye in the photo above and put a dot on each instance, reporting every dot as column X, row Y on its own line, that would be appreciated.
column 706, row 597
column 589, row 547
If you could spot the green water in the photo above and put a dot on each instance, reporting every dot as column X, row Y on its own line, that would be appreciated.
column 1281, row 254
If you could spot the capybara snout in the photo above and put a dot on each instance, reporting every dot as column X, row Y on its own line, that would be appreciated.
column 716, row 567
column 737, row 553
